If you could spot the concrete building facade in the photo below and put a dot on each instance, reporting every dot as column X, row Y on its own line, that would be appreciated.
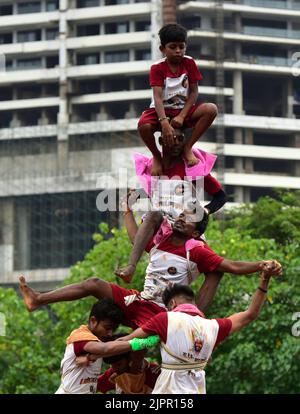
column 74, row 80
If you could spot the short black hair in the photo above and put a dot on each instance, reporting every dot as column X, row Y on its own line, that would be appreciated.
column 196, row 207
column 177, row 290
column 202, row 224
column 112, row 359
column 172, row 33
column 107, row 309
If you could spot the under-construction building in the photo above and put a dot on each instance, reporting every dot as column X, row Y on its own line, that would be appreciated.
column 74, row 80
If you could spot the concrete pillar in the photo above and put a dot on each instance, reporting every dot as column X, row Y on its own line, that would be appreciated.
column 169, row 11
column 131, row 55
column 249, row 161
column 22, row 261
column 43, row 34
column 15, row 122
column 43, row 120
column 247, row 195
column 156, row 24
column 103, row 115
column 131, row 113
column 131, row 26
column 102, row 28
column 238, row 194
column 238, row 25
column 43, row 6
column 238, row 139
column 6, row 236
column 14, row 36
column 288, row 99
column 238, row 93
column 296, row 164
column 206, row 23
column 63, row 114
column 238, row 166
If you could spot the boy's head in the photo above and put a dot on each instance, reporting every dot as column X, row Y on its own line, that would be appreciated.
column 105, row 317
column 173, row 38
column 192, row 222
column 177, row 295
column 177, row 148
column 119, row 363
column 172, row 33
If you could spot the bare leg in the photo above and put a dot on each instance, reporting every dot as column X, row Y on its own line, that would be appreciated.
column 205, row 114
column 147, row 134
column 90, row 287
column 145, row 233
column 208, row 290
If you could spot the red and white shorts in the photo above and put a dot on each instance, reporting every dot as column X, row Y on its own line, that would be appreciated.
column 149, row 116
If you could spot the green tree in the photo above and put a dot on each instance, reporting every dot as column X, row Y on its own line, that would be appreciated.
column 262, row 358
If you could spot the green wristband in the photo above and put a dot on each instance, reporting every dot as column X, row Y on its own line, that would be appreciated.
column 144, row 343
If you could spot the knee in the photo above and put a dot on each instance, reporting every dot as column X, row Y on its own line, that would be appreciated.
column 210, row 109
column 145, row 129
column 155, row 218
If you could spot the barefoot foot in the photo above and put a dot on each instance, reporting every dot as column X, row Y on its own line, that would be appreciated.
column 190, row 157
column 29, row 295
column 157, row 167
column 126, row 273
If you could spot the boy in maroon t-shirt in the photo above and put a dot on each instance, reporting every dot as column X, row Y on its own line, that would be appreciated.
column 174, row 81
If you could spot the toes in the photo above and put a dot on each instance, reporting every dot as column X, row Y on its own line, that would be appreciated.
column 22, row 280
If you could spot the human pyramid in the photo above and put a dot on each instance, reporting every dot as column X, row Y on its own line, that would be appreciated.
column 166, row 311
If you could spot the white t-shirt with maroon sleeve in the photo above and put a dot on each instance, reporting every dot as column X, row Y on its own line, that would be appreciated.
column 78, row 379
column 169, row 265
column 175, row 85
column 188, row 336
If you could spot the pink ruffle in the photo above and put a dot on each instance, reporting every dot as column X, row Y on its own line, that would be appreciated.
column 143, row 165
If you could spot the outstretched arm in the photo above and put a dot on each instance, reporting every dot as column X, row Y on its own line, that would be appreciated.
column 138, row 333
column 106, row 349
column 240, row 268
column 242, row 319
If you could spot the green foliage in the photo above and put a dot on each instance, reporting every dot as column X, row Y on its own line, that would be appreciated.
column 263, row 358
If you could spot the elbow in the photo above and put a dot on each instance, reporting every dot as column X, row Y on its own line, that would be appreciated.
column 222, row 197
column 252, row 316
